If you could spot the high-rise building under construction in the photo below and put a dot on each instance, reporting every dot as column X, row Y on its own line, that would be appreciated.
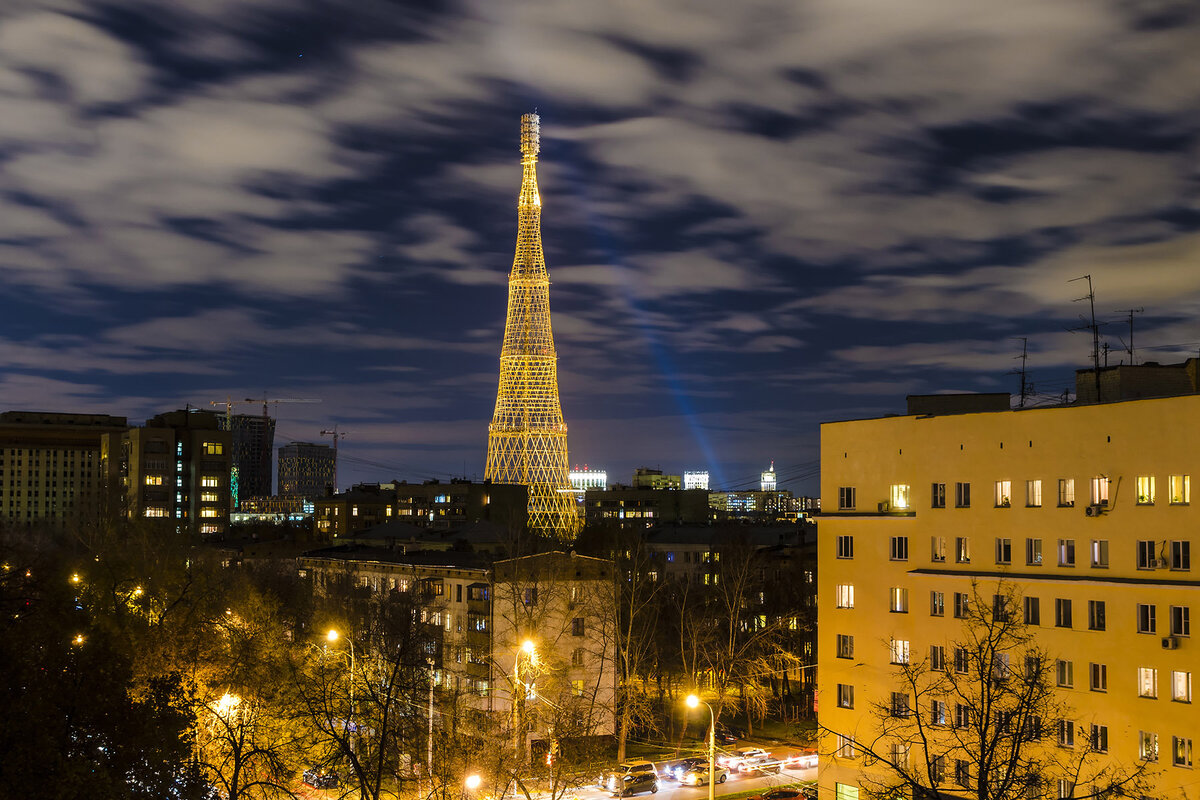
column 253, row 446
column 527, row 440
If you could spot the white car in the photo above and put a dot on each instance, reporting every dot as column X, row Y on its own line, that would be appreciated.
column 698, row 775
column 745, row 759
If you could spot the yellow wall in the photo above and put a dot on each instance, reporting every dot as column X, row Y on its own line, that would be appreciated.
column 1120, row 441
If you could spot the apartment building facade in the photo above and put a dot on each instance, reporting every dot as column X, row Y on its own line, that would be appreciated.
column 1082, row 512
column 432, row 504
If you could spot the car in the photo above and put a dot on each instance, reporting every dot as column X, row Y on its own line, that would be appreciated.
column 800, row 759
column 321, row 779
column 617, row 780
column 675, row 769
column 697, row 775
column 727, row 736
column 789, row 793
column 632, row 783
column 745, row 759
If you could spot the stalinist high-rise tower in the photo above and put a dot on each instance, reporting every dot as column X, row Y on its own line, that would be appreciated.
column 527, row 440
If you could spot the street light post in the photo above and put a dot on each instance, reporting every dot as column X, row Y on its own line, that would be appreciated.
column 693, row 701
column 332, row 637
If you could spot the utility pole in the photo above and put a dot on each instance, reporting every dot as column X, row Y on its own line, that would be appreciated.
column 1131, row 312
column 336, row 436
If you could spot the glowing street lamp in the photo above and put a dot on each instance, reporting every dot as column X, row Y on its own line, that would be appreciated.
column 75, row 578
column 331, row 637
column 227, row 704
column 78, row 639
column 472, row 782
column 693, row 701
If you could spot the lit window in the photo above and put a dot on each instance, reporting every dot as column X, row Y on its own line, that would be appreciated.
column 577, row 687
column 154, row 480
column 845, row 746
column 845, row 646
column 899, row 600
column 937, row 548
column 214, row 448
column 210, row 481
column 1066, row 788
column 1181, row 751
column 962, row 550
column 900, row 496
column 1033, row 552
column 1003, row 494
column 1181, row 687
column 1147, row 682
column 1145, row 490
column 1179, row 488
column 845, row 695
column 1147, row 746
column 899, row 651
column 1033, row 494
column 1099, row 491
column 209, row 497
column 844, row 592
column 1066, row 492
column 153, row 511
column 1099, row 552
column 1066, row 552
column 210, row 512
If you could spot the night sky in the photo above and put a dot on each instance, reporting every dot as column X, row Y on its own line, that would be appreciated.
column 757, row 216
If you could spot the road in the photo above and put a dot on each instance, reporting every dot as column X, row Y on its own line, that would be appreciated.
column 738, row 782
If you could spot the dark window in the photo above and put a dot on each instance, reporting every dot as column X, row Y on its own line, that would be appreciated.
column 962, row 495
column 577, row 626
column 938, row 496
column 1033, row 611
column 1062, row 612
column 1096, row 615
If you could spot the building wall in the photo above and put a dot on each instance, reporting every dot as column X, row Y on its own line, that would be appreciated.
column 50, row 466
column 432, row 504
column 1114, row 444
column 306, row 470
column 645, row 507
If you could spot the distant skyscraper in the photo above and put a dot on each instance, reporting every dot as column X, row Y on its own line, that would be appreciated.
column 306, row 470
column 768, row 479
column 695, row 479
column 253, row 446
column 527, row 440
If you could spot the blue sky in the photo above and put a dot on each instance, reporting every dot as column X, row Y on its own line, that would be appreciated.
column 757, row 216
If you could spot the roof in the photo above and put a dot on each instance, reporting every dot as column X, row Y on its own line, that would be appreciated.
column 358, row 553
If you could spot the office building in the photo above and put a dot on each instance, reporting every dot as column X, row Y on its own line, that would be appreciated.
column 695, row 479
column 253, row 446
column 646, row 478
column 174, row 469
column 1080, row 514
column 50, row 466
column 306, row 470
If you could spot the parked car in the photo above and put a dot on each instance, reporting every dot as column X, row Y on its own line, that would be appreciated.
column 745, row 759
column 789, row 793
column 727, row 736
column 675, row 769
column 321, row 779
column 697, row 775
column 630, row 778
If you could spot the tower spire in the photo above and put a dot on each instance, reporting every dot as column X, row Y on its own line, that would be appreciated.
column 527, row 440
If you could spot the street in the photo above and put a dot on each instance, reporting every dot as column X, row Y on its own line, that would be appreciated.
column 737, row 783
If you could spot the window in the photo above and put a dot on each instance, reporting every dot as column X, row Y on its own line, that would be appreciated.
column 1145, row 490
column 577, row 626
column 899, row 548
column 577, row 687
column 1033, row 552
column 899, row 496
column 1066, row 552
column 1147, row 746
column 937, row 497
column 1003, row 494
column 845, row 646
column 1066, row 492
column 530, row 596
column 1181, row 751
column 962, row 715
column 152, row 511
column 1004, row 551
column 1064, row 672
column 1147, row 682
column 1099, row 739
column 937, row 604
column 210, row 481
column 209, row 497
column 1033, row 611
column 1099, row 677
column 1179, row 489
column 1033, row 494
column 962, row 495
column 1099, row 552
column 962, row 604
column 938, row 548
column 1145, row 618
column 1099, row 491
column 1066, row 789
column 210, row 512
column 899, row 704
column 962, row 550
column 1181, row 687
column 1146, row 558
column 1181, row 555
column 1181, row 621
column 844, row 593
column 962, row 661
column 937, row 712
column 846, row 498
column 577, row 657
column 845, row 695
column 1066, row 733
column 213, row 448
column 1062, row 612
column 154, row 480
column 1096, row 615
column 962, row 772
column 1000, row 610
column 1033, row 667
column 845, row 746
column 899, row 650
column 845, row 547
column 937, row 658
column 899, row 600
column 937, row 770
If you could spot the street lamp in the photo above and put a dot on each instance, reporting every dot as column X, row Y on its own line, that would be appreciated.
column 472, row 782
column 523, row 694
column 331, row 637
column 693, row 701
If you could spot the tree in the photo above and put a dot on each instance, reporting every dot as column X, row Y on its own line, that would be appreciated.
column 982, row 715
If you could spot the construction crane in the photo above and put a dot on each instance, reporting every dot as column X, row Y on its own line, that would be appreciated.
column 336, row 436
column 229, row 403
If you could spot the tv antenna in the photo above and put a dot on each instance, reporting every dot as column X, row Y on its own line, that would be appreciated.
column 1093, row 326
column 1026, row 387
column 1130, row 312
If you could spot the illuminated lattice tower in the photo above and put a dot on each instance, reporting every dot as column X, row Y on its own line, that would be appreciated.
column 527, row 440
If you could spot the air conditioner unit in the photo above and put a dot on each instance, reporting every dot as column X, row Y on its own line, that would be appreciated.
column 1094, row 510
column 885, row 507
column 1160, row 563
column 1170, row 643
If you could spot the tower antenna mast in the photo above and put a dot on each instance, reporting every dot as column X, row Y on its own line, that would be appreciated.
column 1129, row 347
column 1093, row 327
column 1026, row 389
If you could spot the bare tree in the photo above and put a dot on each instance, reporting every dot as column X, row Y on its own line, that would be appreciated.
column 981, row 716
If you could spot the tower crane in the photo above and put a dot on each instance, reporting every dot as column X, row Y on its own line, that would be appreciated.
column 336, row 436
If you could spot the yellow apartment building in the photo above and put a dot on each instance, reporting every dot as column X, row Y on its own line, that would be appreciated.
column 1084, row 510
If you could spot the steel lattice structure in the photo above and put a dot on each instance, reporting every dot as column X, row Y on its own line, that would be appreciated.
column 527, row 440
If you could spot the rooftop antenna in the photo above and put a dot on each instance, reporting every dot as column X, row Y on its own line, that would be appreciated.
column 1131, row 312
column 1026, row 388
column 1092, row 326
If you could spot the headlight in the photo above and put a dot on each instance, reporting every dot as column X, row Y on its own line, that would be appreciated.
column 690, row 779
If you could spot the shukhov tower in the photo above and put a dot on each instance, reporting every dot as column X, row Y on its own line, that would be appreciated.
column 527, row 440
